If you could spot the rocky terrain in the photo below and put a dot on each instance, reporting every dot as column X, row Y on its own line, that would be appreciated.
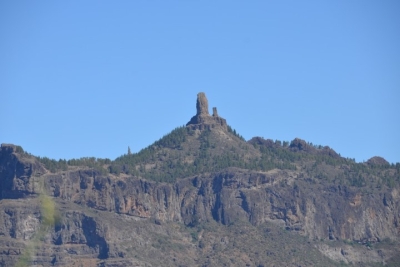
column 200, row 196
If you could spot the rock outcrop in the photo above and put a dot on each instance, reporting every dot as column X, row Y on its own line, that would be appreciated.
column 378, row 161
column 211, row 197
column 202, row 120
column 86, row 216
column 18, row 172
column 202, row 104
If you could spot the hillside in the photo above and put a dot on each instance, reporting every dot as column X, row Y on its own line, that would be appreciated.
column 200, row 196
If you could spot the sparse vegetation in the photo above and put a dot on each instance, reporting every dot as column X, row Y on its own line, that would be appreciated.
column 185, row 152
column 233, row 203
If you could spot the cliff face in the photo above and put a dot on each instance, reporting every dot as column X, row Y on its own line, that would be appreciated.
column 320, row 212
column 17, row 173
column 284, row 205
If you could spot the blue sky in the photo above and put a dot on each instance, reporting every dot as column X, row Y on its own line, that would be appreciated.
column 90, row 78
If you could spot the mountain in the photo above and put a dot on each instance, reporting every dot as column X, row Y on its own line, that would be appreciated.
column 200, row 196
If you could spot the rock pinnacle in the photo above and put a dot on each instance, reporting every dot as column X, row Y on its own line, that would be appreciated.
column 202, row 119
column 202, row 104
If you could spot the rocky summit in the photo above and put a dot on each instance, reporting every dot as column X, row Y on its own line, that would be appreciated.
column 202, row 119
column 200, row 196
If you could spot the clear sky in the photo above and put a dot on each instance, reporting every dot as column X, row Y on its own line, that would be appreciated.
column 90, row 78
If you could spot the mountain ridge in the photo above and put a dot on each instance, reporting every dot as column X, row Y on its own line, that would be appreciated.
column 200, row 196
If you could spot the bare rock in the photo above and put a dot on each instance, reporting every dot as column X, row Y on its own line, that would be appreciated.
column 202, row 120
column 202, row 104
column 18, row 171
column 99, row 212
column 215, row 112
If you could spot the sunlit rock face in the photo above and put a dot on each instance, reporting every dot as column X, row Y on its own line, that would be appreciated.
column 202, row 120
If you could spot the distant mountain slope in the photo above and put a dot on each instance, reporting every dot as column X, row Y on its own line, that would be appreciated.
column 200, row 196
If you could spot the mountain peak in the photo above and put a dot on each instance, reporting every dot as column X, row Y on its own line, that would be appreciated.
column 203, row 120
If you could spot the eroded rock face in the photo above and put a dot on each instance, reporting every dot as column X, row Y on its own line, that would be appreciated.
column 202, row 120
column 215, row 112
column 331, row 212
column 327, row 212
column 202, row 104
column 17, row 173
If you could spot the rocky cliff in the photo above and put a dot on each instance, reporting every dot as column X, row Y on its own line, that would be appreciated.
column 81, row 215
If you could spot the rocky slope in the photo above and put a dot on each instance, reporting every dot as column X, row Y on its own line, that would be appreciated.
column 322, row 210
